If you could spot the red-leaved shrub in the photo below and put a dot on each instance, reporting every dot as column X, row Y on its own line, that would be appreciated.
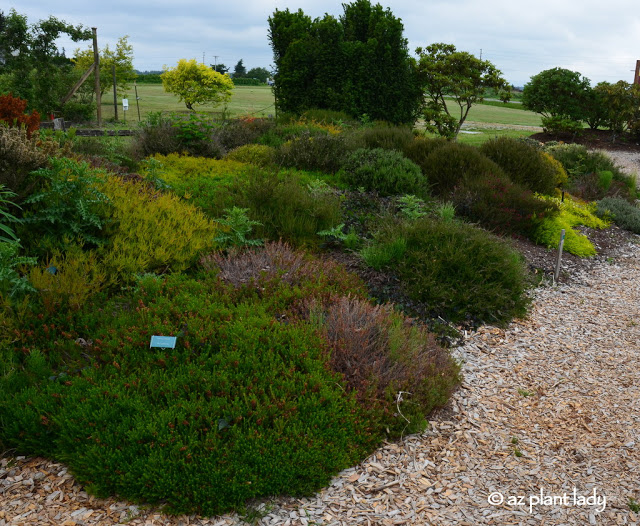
column 13, row 112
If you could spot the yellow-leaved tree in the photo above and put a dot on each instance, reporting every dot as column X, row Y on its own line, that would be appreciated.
column 195, row 83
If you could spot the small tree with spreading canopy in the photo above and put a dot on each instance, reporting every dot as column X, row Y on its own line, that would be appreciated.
column 121, row 58
column 195, row 83
column 451, row 77
column 561, row 96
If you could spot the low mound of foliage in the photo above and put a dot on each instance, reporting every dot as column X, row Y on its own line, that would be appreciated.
column 277, row 382
column 451, row 164
column 525, row 164
column 459, row 271
column 385, row 171
column 572, row 213
column 623, row 213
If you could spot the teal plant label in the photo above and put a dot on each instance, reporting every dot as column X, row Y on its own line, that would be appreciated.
column 164, row 342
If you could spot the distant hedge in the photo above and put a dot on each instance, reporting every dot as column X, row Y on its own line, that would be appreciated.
column 149, row 78
column 248, row 82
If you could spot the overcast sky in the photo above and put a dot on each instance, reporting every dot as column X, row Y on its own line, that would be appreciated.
column 599, row 39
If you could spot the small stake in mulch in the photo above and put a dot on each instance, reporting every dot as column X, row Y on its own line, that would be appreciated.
column 557, row 272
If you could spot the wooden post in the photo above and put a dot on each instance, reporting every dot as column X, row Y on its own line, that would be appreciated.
column 557, row 271
column 115, row 95
column 96, row 72
column 636, row 79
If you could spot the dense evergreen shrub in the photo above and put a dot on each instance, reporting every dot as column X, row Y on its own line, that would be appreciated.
column 257, row 154
column 381, row 136
column 452, row 164
column 502, row 206
column 325, row 153
column 419, row 149
column 385, row 171
column 623, row 213
column 151, row 231
column 525, row 164
column 459, row 271
column 238, row 132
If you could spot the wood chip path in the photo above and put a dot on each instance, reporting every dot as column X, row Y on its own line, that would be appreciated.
column 551, row 405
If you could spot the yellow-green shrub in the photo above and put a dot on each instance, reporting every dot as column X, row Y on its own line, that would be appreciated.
column 252, row 153
column 180, row 169
column 572, row 213
column 68, row 280
column 151, row 231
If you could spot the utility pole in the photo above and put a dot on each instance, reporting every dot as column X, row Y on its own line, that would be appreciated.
column 480, row 53
column 215, row 62
column 96, row 74
column 636, row 79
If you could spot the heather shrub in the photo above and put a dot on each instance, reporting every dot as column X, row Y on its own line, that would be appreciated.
column 501, row 206
column 151, row 232
column 67, row 280
column 198, row 135
column 623, row 213
column 454, row 163
column 586, row 169
column 419, row 149
column 19, row 156
column 572, row 213
column 284, row 204
column 325, row 153
column 459, row 271
column 386, row 137
column 13, row 113
column 238, row 132
column 323, row 116
column 395, row 368
column 168, row 427
column 257, row 154
column 384, row 171
column 276, row 136
column 525, row 164
column 156, row 135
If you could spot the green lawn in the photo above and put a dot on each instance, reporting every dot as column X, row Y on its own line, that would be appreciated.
column 245, row 100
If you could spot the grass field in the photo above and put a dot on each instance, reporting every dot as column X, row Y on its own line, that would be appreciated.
column 245, row 100
column 484, row 121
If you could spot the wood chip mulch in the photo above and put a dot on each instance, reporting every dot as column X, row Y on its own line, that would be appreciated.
column 551, row 405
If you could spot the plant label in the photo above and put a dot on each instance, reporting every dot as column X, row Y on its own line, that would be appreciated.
column 164, row 342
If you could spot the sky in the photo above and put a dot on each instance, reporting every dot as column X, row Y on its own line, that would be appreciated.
column 601, row 40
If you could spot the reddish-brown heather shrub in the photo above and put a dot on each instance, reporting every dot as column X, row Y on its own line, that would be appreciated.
column 13, row 112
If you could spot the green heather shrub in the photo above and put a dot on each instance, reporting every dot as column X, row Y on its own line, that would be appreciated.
column 244, row 407
column 525, row 164
column 238, row 132
column 151, row 232
column 572, row 213
column 419, row 149
column 384, row 171
column 623, row 213
column 453, row 163
column 70, row 204
column 285, row 205
column 386, row 137
column 586, row 169
column 323, row 116
column 459, row 271
column 197, row 134
column 277, row 382
column 276, row 136
column 501, row 206
column 380, row 254
column 324, row 153
column 257, row 154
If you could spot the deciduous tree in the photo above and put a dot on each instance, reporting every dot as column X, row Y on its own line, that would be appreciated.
column 195, row 83
column 455, row 78
column 121, row 58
